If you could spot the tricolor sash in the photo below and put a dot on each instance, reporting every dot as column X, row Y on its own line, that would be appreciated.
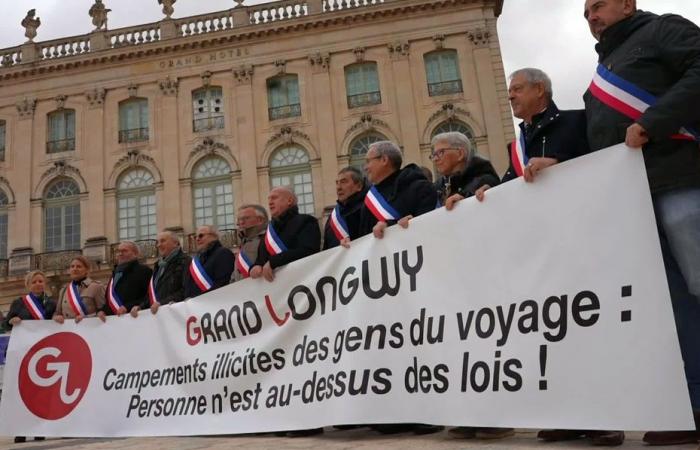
column 518, row 157
column 243, row 264
column 199, row 275
column 338, row 224
column 379, row 207
column 75, row 301
column 628, row 99
column 273, row 243
column 34, row 306
column 152, row 297
column 113, row 299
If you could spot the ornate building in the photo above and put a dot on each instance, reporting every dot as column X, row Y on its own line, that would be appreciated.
column 117, row 134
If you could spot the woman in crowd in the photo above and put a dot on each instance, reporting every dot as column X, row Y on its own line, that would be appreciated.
column 82, row 296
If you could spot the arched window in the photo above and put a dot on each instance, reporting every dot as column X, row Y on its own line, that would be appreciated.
column 133, row 120
column 283, row 97
column 3, row 126
column 62, row 216
column 208, row 107
column 4, row 203
column 362, row 85
column 455, row 125
column 442, row 71
column 289, row 166
column 61, row 131
column 360, row 146
column 212, row 194
column 136, row 205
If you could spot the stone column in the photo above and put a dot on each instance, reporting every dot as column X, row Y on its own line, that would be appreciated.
column 405, row 101
column 23, row 178
column 169, row 154
column 245, row 134
column 94, row 155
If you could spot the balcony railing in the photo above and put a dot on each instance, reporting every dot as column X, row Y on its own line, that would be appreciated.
column 227, row 237
column 60, row 145
column 134, row 135
column 4, row 268
column 2, row 153
column 58, row 261
column 366, row 99
column 209, row 123
column 281, row 112
column 147, row 249
column 335, row 5
column 444, row 88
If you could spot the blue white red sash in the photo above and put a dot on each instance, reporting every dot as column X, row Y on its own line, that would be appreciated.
column 199, row 275
column 338, row 224
column 152, row 297
column 628, row 99
column 518, row 157
column 243, row 264
column 34, row 306
column 75, row 301
column 379, row 207
column 273, row 243
column 113, row 299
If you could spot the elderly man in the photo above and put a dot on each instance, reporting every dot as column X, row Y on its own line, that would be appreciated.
column 165, row 286
column 645, row 92
column 344, row 221
column 211, row 267
column 396, row 194
column 462, row 172
column 290, row 236
column 128, row 286
column 252, row 224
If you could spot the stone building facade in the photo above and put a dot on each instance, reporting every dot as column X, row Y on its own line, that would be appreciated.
column 119, row 133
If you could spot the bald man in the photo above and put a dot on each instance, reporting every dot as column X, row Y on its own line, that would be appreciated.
column 290, row 236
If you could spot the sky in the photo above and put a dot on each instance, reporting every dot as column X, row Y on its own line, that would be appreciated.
column 548, row 34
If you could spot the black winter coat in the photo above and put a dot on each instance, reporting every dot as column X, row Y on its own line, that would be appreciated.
column 218, row 262
column 132, row 287
column 407, row 191
column 300, row 234
column 478, row 172
column 170, row 288
column 19, row 309
column 553, row 134
column 661, row 55
column 350, row 211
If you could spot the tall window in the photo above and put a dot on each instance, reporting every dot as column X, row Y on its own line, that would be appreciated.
column 62, row 216
column 208, row 107
column 4, row 203
column 362, row 84
column 3, row 126
column 133, row 120
column 213, row 194
column 442, row 70
column 289, row 166
column 360, row 146
column 61, row 131
column 455, row 125
column 136, row 202
column 283, row 97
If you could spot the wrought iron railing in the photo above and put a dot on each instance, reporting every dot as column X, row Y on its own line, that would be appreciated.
column 147, row 249
column 60, row 145
column 134, row 135
column 209, row 123
column 445, row 87
column 58, row 261
column 4, row 268
column 366, row 99
column 282, row 112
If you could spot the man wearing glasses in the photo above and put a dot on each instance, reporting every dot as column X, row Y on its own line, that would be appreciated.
column 211, row 267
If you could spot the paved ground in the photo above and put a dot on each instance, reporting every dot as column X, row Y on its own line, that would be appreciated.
column 332, row 439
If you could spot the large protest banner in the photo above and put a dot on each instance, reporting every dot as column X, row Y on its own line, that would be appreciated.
column 545, row 306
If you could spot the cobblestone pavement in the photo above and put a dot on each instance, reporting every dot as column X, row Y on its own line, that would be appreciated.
column 332, row 439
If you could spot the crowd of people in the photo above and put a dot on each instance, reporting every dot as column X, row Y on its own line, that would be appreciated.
column 645, row 93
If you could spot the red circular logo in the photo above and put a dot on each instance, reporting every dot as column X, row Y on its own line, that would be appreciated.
column 54, row 375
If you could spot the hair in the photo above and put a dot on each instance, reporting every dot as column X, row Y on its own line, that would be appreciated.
column 171, row 235
column 289, row 190
column 212, row 229
column 390, row 150
column 30, row 277
column 454, row 139
column 134, row 246
column 536, row 76
column 84, row 261
column 260, row 211
column 356, row 175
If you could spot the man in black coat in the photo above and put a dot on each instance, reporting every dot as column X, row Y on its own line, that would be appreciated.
column 128, row 286
column 350, row 187
column 215, row 264
column 396, row 194
column 290, row 236
column 656, row 60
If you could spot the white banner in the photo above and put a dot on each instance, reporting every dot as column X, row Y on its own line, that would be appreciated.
column 544, row 307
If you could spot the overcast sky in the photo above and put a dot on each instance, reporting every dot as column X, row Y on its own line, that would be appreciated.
column 548, row 34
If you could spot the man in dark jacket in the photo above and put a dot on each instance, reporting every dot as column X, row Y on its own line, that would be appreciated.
column 211, row 267
column 128, row 286
column 252, row 224
column 646, row 92
column 290, row 236
column 344, row 221
column 396, row 194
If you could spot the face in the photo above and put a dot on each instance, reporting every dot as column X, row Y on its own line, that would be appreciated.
column 36, row 286
column 203, row 238
column 126, row 253
column 447, row 159
column 376, row 167
column 345, row 186
column 526, row 99
column 247, row 218
column 279, row 201
column 77, row 270
column 601, row 14
column 166, row 245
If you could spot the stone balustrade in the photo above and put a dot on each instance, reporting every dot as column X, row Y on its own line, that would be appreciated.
column 336, row 5
column 59, row 48
column 275, row 11
column 205, row 23
column 10, row 56
column 142, row 34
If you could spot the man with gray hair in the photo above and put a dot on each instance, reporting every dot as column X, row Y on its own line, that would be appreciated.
column 344, row 220
column 396, row 194
column 129, row 283
column 252, row 223
column 211, row 267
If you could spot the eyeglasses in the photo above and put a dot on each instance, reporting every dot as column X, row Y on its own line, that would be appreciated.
column 367, row 160
column 440, row 153
column 201, row 235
